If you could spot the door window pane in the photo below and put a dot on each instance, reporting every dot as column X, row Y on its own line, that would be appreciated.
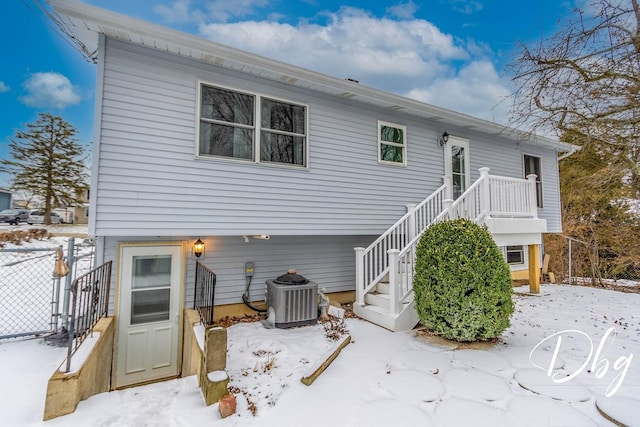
column 150, row 306
column 150, row 288
column 151, row 271
column 458, row 172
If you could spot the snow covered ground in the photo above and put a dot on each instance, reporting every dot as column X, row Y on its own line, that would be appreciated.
column 587, row 339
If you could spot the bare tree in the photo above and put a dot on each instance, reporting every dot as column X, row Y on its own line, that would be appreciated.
column 585, row 80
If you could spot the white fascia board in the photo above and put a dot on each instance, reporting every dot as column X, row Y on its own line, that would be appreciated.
column 80, row 17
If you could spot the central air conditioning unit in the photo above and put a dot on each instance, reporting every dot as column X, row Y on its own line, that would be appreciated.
column 292, row 301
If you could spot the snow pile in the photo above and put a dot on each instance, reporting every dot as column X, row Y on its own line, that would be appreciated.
column 580, row 337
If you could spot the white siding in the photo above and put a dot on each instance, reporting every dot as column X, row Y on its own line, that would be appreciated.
column 150, row 183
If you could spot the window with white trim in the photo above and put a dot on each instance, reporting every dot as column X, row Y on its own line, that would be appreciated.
column 392, row 143
column 515, row 255
column 282, row 132
column 228, row 128
column 226, row 123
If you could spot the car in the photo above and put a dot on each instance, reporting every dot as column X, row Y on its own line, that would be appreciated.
column 14, row 216
column 37, row 217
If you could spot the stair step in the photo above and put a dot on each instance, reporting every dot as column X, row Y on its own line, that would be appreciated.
column 382, row 288
column 377, row 299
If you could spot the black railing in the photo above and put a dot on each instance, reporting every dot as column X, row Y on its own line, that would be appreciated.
column 89, row 303
column 204, row 293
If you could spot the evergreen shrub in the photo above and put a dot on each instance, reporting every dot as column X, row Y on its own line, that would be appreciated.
column 462, row 283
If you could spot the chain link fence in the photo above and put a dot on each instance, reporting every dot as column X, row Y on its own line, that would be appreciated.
column 32, row 301
column 580, row 263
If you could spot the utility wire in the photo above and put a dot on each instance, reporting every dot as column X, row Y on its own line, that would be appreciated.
column 54, row 22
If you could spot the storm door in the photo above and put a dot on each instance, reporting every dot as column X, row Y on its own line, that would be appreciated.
column 456, row 165
column 149, row 308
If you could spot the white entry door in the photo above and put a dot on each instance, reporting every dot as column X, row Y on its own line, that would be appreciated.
column 149, row 308
column 456, row 165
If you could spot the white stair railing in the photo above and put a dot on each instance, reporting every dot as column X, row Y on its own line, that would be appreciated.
column 372, row 263
column 393, row 253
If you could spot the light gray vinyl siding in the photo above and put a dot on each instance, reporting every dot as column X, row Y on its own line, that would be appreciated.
column 151, row 184
column 327, row 260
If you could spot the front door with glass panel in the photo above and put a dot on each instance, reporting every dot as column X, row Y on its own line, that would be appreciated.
column 456, row 165
column 149, row 307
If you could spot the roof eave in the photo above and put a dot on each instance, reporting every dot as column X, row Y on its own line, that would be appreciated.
column 83, row 17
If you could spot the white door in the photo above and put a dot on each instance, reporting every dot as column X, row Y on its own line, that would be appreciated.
column 149, row 308
column 456, row 165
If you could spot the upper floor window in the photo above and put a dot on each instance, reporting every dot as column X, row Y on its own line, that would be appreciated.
column 226, row 123
column 227, row 127
column 282, row 132
column 392, row 143
column 532, row 166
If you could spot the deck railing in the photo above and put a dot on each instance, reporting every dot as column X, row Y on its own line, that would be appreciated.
column 489, row 196
column 205, row 288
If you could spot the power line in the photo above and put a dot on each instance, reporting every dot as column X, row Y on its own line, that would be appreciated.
column 54, row 22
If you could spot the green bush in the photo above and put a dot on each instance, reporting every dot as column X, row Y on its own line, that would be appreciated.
column 462, row 283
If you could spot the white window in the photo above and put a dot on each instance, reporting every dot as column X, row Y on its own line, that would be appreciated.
column 515, row 255
column 228, row 129
column 282, row 132
column 392, row 143
column 532, row 166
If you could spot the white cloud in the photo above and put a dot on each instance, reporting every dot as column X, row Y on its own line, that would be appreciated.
column 181, row 11
column 476, row 90
column 403, row 10
column 3, row 87
column 47, row 90
column 410, row 57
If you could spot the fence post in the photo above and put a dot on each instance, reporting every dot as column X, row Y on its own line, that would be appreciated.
column 569, row 260
column 67, row 284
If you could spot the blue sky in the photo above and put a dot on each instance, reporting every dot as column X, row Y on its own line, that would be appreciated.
column 449, row 53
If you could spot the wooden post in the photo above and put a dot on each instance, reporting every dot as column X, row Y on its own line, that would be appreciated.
column 534, row 269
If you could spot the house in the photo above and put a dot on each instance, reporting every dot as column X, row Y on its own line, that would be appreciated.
column 77, row 213
column 5, row 199
column 281, row 167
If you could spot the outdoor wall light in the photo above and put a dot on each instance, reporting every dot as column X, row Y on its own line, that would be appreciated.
column 443, row 139
column 198, row 248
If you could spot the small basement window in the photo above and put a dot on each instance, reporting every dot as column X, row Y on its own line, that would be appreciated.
column 392, row 143
column 515, row 254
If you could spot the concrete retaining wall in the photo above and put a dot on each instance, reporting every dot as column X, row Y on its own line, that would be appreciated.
column 64, row 391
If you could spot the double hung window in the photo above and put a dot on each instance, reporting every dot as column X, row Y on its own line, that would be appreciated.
column 392, row 143
column 228, row 127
